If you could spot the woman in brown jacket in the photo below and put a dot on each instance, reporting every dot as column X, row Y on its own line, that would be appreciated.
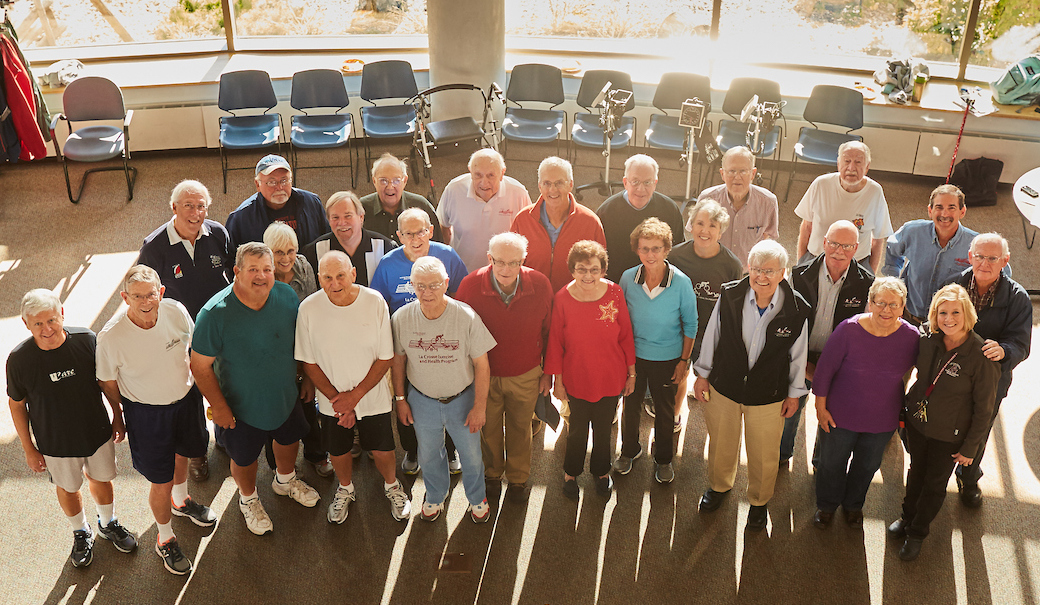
column 948, row 411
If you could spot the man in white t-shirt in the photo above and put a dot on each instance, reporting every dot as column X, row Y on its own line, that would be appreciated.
column 143, row 362
column 344, row 340
column 479, row 205
column 850, row 195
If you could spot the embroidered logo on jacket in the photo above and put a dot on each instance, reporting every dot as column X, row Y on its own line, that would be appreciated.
column 177, row 271
column 953, row 369
column 608, row 312
column 852, row 302
column 217, row 263
column 783, row 332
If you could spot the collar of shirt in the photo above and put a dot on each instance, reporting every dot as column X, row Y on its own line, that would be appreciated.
column 175, row 237
column 506, row 298
column 981, row 301
column 472, row 194
column 825, row 273
column 667, row 281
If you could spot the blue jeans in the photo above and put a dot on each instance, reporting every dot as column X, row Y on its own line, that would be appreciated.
column 791, row 432
column 837, row 481
column 432, row 418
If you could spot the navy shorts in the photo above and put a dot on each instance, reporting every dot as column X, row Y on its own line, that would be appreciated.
column 376, row 434
column 157, row 432
column 244, row 442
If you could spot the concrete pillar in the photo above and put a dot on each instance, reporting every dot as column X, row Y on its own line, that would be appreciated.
column 467, row 45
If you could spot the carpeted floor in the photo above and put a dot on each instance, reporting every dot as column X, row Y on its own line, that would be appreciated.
column 646, row 544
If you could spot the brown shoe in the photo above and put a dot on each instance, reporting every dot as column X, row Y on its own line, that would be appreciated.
column 536, row 427
column 198, row 468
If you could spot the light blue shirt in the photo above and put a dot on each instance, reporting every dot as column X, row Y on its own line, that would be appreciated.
column 660, row 323
column 554, row 232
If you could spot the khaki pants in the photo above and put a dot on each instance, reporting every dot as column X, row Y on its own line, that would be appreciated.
column 505, row 440
column 763, row 427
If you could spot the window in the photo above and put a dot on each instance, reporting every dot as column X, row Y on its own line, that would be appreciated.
column 329, row 17
column 1008, row 30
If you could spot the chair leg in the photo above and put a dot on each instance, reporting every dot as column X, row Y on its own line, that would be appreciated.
column 130, row 172
column 790, row 178
column 130, row 180
column 68, row 185
column 223, row 166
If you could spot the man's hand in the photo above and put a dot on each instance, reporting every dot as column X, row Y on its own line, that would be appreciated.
column 993, row 351
column 404, row 413
column 545, row 384
column 475, row 420
column 961, row 460
column 223, row 417
column 35, row 460
column 701, row 388
column 118, row 429
column 347, row 420
column 345, row 401
column 306, row 390
column 789, row 407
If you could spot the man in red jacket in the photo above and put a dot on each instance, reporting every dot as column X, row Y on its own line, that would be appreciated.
column 515, row 303
column 553, row 223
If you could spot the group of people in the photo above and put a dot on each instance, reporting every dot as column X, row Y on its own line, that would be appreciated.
column 328, row 324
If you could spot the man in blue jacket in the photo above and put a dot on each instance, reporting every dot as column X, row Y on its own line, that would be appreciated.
column 277, row 200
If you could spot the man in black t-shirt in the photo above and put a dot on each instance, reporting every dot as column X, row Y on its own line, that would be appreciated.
column 53, row 389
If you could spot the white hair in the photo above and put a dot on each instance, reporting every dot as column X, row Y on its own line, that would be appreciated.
column 641, row 159
column 856, row 145
column 991, row 238
column 765, row 251
column 556, row 162
column 510, row 239
column 428, row 265
column 37, row 301
column 189, row 186
column 414, row 214
column 487, row 154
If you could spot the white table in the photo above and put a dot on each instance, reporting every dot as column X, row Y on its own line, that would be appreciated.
column 1028, row 207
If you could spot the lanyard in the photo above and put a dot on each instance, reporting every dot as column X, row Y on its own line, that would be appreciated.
column 928, row 391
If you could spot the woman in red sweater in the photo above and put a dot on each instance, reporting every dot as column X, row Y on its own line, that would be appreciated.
column 591, row 351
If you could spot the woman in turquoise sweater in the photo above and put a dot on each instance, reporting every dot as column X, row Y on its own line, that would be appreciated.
column 663, row 309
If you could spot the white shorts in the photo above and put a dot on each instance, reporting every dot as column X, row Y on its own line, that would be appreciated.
column 67, row 473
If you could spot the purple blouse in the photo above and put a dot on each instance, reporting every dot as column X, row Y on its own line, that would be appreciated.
column 861, row 375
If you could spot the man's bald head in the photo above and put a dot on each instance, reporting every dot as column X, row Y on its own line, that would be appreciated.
column 840, row 245
column 335, row 257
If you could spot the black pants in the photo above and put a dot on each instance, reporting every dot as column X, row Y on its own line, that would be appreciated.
column 970, row 475
column 658, row 375
column 931, row 464
column 312, row 450
column 600, row 414
column 410, row 444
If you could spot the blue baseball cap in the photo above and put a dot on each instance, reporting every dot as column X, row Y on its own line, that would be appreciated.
column 270, row 163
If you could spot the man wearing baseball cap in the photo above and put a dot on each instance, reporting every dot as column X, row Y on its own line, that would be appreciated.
column 277, row 200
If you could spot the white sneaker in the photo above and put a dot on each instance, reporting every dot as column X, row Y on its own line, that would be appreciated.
column 480, row 513
column 454, row 464
column 324, row 468
column 297, row 490
column 430, row 512
column 400, row 503
column 256, row 517
column 340, row 505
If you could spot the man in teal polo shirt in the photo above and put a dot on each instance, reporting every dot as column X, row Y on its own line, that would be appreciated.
column 242, row 360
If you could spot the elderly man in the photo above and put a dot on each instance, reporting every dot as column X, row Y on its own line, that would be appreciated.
column 928, row 254
column 440, row 352
column 836, row 289
column 365, row 248
column 553, row 223
column 382, row 208
column 349, row 376
column 172, row 251
column 515, row 303
column 142, row 363
column 478, row 205
column 55, row 399
column 276, row 200
column 846, row 194
column 1005, row 323
column 753, row 210
column 752, row 371
column 242, row 359
column 623, row 212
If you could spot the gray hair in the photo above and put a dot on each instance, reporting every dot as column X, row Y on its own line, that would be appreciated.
column 740, row 151
column 488, row 154
column 765, row 251
column 37, row 301
column 189, row 186
column 716, row 214
column 428, row 265
column 279, row 236
column 888, row 284
column 991, row 238
column 339, row 196
column 414, row 214
column 332, row 255
column 141, row 274
column 641, row 159
column 855, row 145
column 388, row 159
column 556, row 162
column 510, row 239
column 252, row 249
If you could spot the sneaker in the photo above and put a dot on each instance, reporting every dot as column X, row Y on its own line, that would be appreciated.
column 480, row 513
column 571, row 489
column 355, row 450
column 410, row 464
column 200, row 515
column 623, row 465
column 648, row 407
column 256, row 517
column 297, row 490
column 454, row 465
column 430, row 512
column 123, row 540
column 340, row 505
column 400, row 503
column 677, row 426
column 664, row 473
column 324, row 468
column 82, row 548
column 604, row 485
column 173, row 559
column 371, row 456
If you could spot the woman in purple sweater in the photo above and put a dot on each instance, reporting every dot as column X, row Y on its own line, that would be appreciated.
column 859, row 391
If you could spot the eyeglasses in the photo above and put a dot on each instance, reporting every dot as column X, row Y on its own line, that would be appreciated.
column 396, row 181
column 741, row 172
column 499, row 264
column 551, row 184
column 650, row 250
column 427, row 287
column 284, row 253
column 985, row 259
column 836, row 246
column 282, row 183
column 882, row 306
column 193, row 207
column 153, row 295
column 415, row 234
column 588, row 271
column 767, row 273
column 636, row 183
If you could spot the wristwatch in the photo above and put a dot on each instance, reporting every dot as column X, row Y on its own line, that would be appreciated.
column 398, row 397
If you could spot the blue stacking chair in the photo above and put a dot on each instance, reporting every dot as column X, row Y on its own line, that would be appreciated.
column 320, row 89
column 664, row 131
column 244, row 91
column 387, row 80
column 587, row 131
column 733, row 133
column 834, row 105
column 538, row 83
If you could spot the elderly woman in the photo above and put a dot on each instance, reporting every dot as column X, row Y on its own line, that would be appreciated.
column 663, row 309
column 751, row 370
column 949, row 409
column 592, row 358
column 858, row 385
column 294, row 270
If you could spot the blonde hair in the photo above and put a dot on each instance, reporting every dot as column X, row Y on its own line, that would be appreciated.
column 951, row 293
column 279, row 236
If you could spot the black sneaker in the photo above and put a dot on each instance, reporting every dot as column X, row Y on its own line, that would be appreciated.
column 82, row 548
column 173, row 559
column 123, row 540
column 199, row 514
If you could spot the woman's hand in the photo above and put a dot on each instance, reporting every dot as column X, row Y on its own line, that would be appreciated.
column 558, row 391
column 630, row 385
column 682, row 368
